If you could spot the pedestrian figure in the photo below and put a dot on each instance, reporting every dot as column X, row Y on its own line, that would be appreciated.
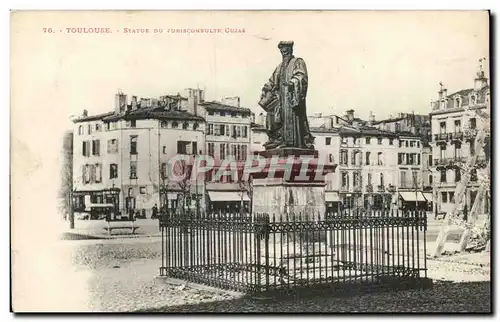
column 154, row 211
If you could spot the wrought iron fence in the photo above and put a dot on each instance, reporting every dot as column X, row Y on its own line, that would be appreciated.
column 256, row 253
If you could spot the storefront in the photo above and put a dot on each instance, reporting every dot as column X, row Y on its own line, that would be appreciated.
column 332, row 202
column 228, row 201
column 412, row 200
column 96, row 201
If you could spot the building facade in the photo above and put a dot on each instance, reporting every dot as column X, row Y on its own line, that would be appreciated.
column 454, row 127
column 121, row 158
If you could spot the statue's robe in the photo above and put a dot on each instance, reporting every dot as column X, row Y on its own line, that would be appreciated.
column 290, row 116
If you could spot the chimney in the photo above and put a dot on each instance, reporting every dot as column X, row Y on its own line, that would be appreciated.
column 120, row 103
column 85, row 113
column 350, row 115
column 202, row 96
column 231, row 101
column 445, row 92
column 193, row 98
column 154, row 103
column 134, row 102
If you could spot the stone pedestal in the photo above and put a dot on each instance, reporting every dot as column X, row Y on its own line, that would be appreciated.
column 292, row 182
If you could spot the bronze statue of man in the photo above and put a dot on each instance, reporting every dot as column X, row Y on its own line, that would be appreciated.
column 284, row 99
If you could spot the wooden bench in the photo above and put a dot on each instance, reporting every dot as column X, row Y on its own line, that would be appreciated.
column 120, row 224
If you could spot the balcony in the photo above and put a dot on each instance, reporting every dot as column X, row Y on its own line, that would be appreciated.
column 380, row 188
column 391, row 188
column 344, row 188
column 369, row 188
column 441, row 138
column 457, row 136
column 357, row 188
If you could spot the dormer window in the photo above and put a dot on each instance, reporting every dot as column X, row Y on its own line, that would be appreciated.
column 442, row 104
column 473, row 99
column 175, row 125
column 185, row 125
column 163, row 124
column 458, row 102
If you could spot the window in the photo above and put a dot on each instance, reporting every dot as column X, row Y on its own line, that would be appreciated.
column 452, row 197
column 443, row 175
column 442, row 152
column 330, row 158
column 196, row 126
column 183, row 147
column 345, row 179
column 238, row 152
column 185, row 125
column 379, row 141
column 85, row 174
column 354, row 141
column 210, row 129
column 458, row 126
column 86, row 148
column 356, row 179
column 210, row 112
column 142, row 190
column 328, row 141
column 106, row 126
column 368, row 158
column 112, row 146
column 163, row 172
column 444, row 197
column 245, row 131
column 113, row 125
column 80, row 130
column 343, row 157
column 418, row 159
column 98, row 171
column 403, row 179
column 401, row 142
column 473, row 100
column 113, row 171
column 458, row 151
column 442, row 127
column 133, row 169
column 244, row 152
column 430, row 160
column 222, row 129
column 380, row 158
column 211, row 149
column 233, row 114
column 228, row 130
column 164, row 124
column 131, row 123
column 96, row 147
column 367, row 140
column 222, row 151
column 133, row 144
column 430, row 179
column 89, row 129
column 382, row 179
column 164, row 149
column 406, row 143
column 233, row 150
column 391, row 141
column 458, row 175
column 400, row 158
column 217, row 130
column 92, row 173
column 412, row 144
column 472, row 148
column 370, row 178
column 238, row 131
column 175, row 125
column 222, row 113
column 472, row 123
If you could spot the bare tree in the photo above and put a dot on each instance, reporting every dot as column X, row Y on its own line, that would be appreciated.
column 66, row 184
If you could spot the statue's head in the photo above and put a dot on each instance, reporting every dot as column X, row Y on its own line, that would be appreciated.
column 286, row 48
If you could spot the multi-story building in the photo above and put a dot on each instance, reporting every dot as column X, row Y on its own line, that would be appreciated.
column 454, row 127
column 122, row 157
column 227, row 136
column 418, row 125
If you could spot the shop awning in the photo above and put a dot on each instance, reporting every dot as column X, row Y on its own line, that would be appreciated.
column 412, row 196
column 171, row 196
column 428, row 196
column 332, row 196
column 228, row 196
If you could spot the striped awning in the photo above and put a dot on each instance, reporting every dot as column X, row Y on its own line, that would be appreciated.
column 428, row 196
column 228, row 196
column 331, row 196
column 412, row 196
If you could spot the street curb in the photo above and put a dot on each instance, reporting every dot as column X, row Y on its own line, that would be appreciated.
column 81, row 236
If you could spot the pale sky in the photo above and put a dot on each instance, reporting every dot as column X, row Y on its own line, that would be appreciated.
column 385, row 62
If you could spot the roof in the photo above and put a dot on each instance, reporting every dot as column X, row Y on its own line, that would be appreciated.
column 92, row 117
column 143, row 113
column 323, row 129
column 216, row 106
column 371, row 131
